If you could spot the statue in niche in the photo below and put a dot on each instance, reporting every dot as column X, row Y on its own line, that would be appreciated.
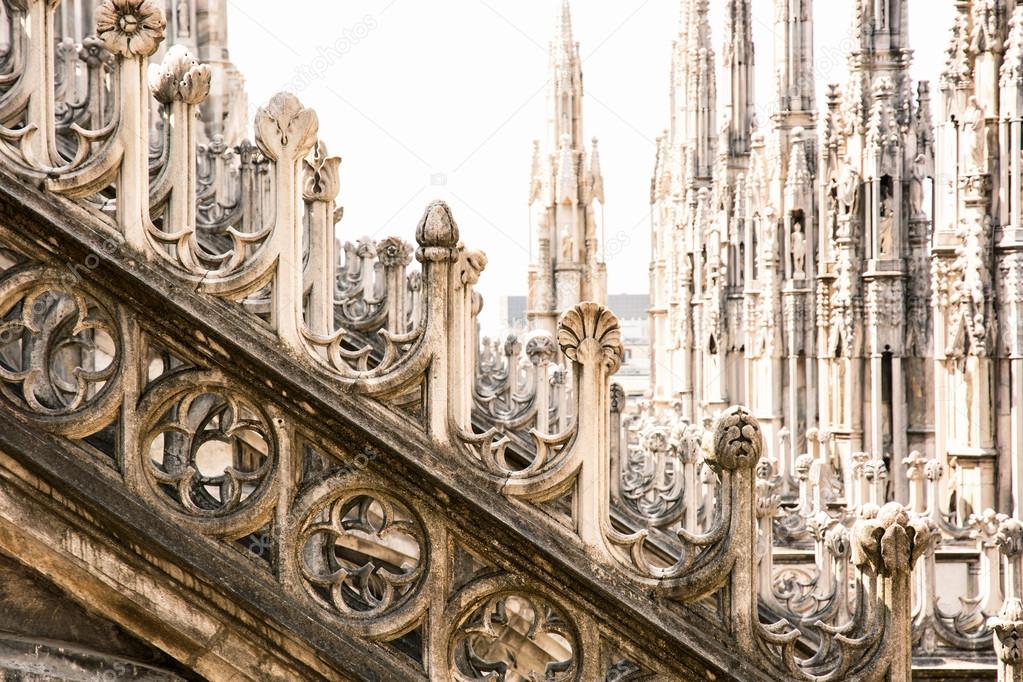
column 886, row 226
column 183, row 15
column 567, row 246
column 833, row 209
column 974, row 133
column 917, row 173
column 848, row 190
column 798, row 250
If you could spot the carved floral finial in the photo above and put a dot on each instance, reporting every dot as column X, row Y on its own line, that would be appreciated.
column 284, row 126
column 738, row 441
column 540, row 348
column 617, row 394
column 472, row 263
column 1010, row 537
column 394, row 252
column 130, row 28
column 985, row 525
column 1008, row 627
column 437, row 227
column 889, row 542
column 836, row 539
column 322, row 179
column 588, row 331
column 180, row 78
column 915, row 464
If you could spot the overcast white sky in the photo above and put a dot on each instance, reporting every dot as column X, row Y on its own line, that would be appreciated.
column 429, row 99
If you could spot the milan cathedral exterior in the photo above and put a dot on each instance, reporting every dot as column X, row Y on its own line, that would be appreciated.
column 233, row 447
column 852, row 275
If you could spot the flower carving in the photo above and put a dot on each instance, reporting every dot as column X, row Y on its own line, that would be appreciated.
column 589, row 332
column 540, row 348
column 285, row 127
column 888, row 541
column 322, row 180
column 180, row 78
column 1008, row 627
column 130, row 28
column 394, row 252
column 1010, row 537
column 472, row 263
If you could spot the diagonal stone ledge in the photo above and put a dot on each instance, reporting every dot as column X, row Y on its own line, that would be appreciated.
column 514, row 537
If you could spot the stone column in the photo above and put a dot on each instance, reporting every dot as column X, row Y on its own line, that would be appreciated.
column 1015, row 452
column 285, row 132
column 590, row 336
column 876, row 420
column 1008, row 624
column 901, row 484
column 320, row 188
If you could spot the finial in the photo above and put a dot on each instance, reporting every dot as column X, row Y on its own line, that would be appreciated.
column 130, row 28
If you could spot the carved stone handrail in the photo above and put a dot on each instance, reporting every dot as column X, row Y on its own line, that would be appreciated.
column 248, row 225
column 254, row 224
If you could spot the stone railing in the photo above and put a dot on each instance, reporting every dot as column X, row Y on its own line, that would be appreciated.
column 254, row 225
column 869, row 641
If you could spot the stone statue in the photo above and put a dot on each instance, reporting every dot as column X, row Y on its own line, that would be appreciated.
column 567, row 246
column 848, row 190
column 886, row 226
column 798, row 251
column 916, row 186
column 974, row 133
column 184, row 23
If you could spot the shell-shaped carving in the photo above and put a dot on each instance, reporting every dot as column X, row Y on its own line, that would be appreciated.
column 180, row 78
column 738, row 442
column 285, row 127
column 437, row 227
column 591, row 322
column 130, row 28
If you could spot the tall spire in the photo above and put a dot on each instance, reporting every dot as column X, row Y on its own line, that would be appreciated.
column 881, row 25
column 565, row 23
column 793, row 54
column 738, row 61
column 700, row 90
column 566, row 83
column 565, row 181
